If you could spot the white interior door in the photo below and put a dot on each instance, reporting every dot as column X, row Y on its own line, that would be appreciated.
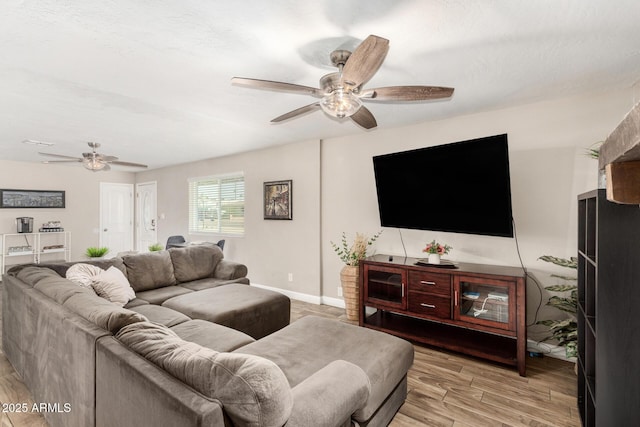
column 146, row 215
column 116, row 217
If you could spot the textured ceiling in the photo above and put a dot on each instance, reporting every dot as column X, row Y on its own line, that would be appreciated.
column 150, row 79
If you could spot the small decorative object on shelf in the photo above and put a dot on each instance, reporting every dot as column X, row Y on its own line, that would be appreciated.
column 349, row 275
column 51, row 227
column 435, row 251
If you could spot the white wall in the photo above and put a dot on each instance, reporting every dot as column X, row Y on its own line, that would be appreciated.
column 270, row 248
column 334, row 191
column 81, row 216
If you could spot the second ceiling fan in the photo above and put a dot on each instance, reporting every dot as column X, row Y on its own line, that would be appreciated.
column 341, row 93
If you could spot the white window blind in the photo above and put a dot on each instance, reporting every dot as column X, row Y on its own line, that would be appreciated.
column 216, row 204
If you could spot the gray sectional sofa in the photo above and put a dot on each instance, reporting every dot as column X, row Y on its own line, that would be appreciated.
column 197, row 346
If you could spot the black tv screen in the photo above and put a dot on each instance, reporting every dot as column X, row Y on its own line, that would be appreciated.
column 462, row 187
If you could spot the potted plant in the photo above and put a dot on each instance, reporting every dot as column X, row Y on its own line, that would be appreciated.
column 349, row 275
column 96, row 252
column 565, row 331
column 435, row 251
column 155, row 247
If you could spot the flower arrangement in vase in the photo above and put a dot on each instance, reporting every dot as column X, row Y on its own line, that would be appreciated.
column 436, row 250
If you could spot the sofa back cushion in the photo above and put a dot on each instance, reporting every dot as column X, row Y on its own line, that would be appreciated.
column 102, row 313
column 51, row 284
column 195, row 262
column 150, row 270
column 79, row 300
column 252, row 390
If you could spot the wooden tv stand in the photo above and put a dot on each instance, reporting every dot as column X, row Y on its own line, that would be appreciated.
column 474, row 309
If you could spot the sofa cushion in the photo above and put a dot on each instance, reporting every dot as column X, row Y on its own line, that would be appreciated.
column 195, row 262
column 149, row 270
column 32, row 274
column 210, row 335
column 62, row 267
column 51, row 284
column 253, row 390
column 210, row 282
column 384, row 358
column 82, row 274
column 112, row 285
column 160, row 295
column 101, row 312
column 135, row 303
column 161, row 315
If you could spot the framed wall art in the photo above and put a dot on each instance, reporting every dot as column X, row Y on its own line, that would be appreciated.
column 277, row 199
column 21, row 199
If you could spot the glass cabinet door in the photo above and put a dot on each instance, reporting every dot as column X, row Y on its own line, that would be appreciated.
column 485, row 302
column 385, row 287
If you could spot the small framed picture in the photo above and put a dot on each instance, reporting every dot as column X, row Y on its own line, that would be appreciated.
column 277, row 199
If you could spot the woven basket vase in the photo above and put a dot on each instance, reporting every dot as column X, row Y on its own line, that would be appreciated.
column 349, row 276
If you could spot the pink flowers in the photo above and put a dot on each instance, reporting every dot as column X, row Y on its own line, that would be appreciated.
column 437, row 248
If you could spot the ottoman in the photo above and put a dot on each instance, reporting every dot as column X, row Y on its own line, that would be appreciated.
column 256, row 312
column 309, row 344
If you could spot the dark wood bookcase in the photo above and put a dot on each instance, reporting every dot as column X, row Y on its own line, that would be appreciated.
column 608, row 311
column 474, row 309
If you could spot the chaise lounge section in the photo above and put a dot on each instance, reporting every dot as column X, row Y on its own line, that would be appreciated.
column 178, row 358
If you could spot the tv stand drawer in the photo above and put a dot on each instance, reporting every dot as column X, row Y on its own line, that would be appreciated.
column 433, row 283
column 422, row 304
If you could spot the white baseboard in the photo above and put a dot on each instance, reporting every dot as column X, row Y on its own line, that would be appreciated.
column 334, row 302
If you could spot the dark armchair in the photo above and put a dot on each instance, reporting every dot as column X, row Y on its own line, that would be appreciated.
column 175, row 242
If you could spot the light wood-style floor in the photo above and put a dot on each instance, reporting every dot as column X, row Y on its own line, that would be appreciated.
column 445, row 389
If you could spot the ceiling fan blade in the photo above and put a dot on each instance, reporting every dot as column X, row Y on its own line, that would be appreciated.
column 61, row 161
column 61, row 156
column 408, row 93
column 365, row 61
column 297, row 112
column 135, row 165
column 107, row 158
column 280, row 86
column 364, row 118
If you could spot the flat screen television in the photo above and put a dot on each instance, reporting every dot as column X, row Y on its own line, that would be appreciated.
column 462, row 187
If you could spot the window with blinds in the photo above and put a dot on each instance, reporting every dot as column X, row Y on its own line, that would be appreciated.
column 216, row 204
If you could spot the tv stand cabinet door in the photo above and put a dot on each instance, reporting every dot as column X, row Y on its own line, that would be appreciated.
column 385, row 287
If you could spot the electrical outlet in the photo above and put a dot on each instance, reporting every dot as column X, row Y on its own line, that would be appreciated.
column 291, row 277
column 340, row 291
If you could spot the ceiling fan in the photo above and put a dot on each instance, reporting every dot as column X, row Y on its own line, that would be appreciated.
column 92, row 161
column 341, row 94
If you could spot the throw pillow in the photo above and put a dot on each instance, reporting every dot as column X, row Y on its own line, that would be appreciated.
column 112, row 285
column 82, row 274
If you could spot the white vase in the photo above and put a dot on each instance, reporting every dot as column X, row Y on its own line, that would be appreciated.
column 434, row 258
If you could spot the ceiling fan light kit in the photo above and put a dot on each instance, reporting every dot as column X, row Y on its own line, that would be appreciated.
column 92, row 161
column 93, row 164
column 341, row 94
column 340, row 104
